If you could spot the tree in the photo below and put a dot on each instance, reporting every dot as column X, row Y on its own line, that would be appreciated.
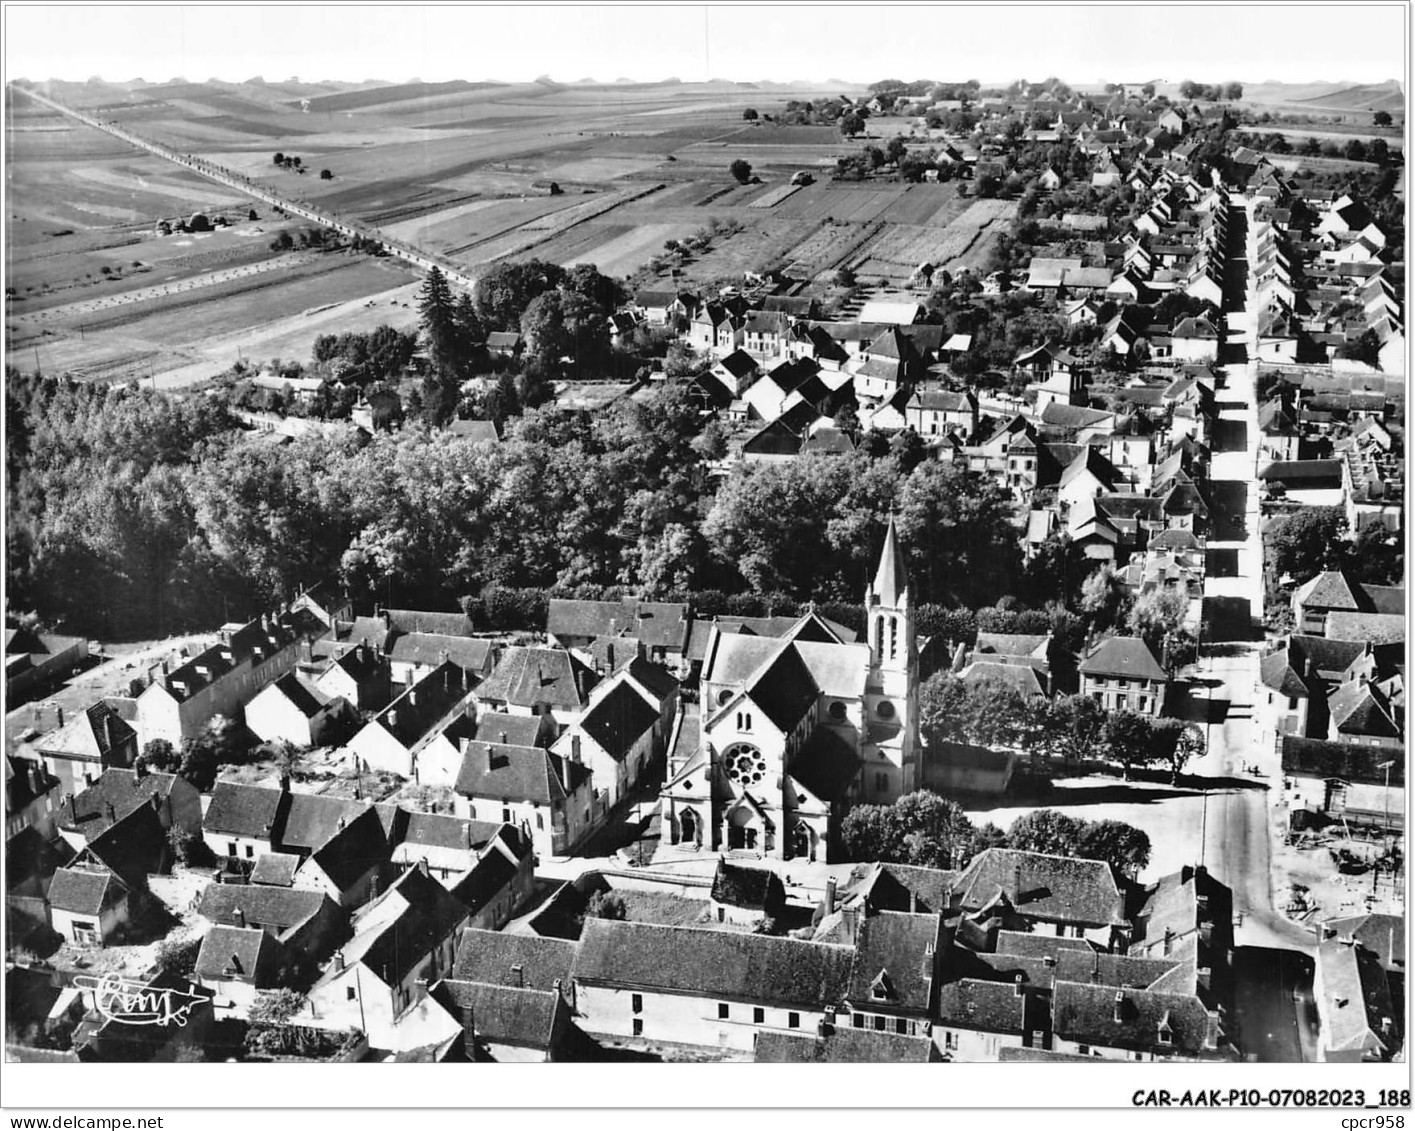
column 1157, row 618
column 851, row 124
column 325, row 175
column 844, row 277
column 1104, row 599
column 1191, row 90
column 177, row 958
column 1355, row 150
column 280, row 159
column 184, row 844
column 160, row 756
column 606, row 905
column 1306, row 543
column 254, row 215
column 1046, row 831
column 1380, row 118
column 1233, row 91
column 503, row 293
column 986, row 712
column 742, row 170
column 283, row 242
column 1178, row 742
column 749, row 115
column 1124, row 847
column 1133, row 740
column 921, row 828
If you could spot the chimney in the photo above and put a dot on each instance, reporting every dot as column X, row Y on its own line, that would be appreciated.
column 110, row 812
column 423, row 866
column 850, row 919
column 392, row 719
column 1119, row 1005
column 412, row 697
column 830, row 888
column 240, row 917
column 343, row 824
column 518, row 978
column 110, row 729
column 139, row 772
column 387, row 620
column 580, row 683
column 557, row 986
column 575, row 748
column 1017, row 989
column 338, row 960
column 285, row 781
column 501, row 737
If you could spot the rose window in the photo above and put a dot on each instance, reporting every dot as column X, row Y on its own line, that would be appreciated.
column 745, row 764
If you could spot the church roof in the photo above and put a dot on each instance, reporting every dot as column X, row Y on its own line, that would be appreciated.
column 891, row 579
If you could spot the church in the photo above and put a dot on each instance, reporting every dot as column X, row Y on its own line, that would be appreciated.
column 797, row 726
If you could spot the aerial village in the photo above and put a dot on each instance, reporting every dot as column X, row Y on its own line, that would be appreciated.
column 644, row 828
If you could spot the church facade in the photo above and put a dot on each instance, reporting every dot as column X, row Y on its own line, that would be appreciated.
column 794, row 728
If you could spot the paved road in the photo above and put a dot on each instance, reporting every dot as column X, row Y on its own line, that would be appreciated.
column 1235, row 824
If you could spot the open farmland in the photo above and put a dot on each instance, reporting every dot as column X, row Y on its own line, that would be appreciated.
column 963, row 244
column 459, row 169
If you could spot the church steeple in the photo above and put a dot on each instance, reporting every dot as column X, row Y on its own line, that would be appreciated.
column 891, row 585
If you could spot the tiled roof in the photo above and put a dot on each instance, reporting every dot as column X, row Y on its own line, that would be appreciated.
column 398, row 930
column 1042, row 886
column 245, row 810
column 513, row 730
column 83, row 891
column 904, row 887
column 1276, row 671
column 501, row 1014
column 91, row 733
column 527, row 677
column 493, row 956
column 894, row 957
column 972, row 1003
column 1132, row 1019
column 416, row 714
column 617, row 721
column 658, row 624
column 727, row 965
column 275, row 869
column 489, row 876
column 843, row 1045
column 429, row 649
column 514, row 773
column 1383, row 935
column 738, row 885
column 231, row 954
column 313, row 818
column 421, row 620
column 134, row 846
column 349, row 854
column 826, row 765
column 1127, row 656
column 261, row 638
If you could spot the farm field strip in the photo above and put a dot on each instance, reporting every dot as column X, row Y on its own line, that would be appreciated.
column 827, row 247
column 775, row 196
column 903, row 247
column 579, row 213
column 156, row 291
column 627, row 250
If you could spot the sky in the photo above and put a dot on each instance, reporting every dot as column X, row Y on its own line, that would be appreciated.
column 994, row 43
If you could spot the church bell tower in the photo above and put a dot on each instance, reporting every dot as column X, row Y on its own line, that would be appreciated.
column 892, row 690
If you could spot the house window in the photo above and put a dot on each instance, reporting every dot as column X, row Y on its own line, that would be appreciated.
column 724, row 1011
column 1084, row 1050
column 879, row 1023
column 837, row 711
column 1292, row 702
column 793, row 1020
column 351, row 994
column 1122, row 702
column 230, row 848
column 881, row 781
column 950, row 1039
column 250, row 851
column 859, row 1020
column 901, row 1026
column 758, row 1015
column 1144, row 702
column 540, row 821
column 884, row 709
column 636, row 1003
column 506, row 814
column 638, row 1026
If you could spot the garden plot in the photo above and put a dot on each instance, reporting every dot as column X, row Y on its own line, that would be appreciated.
column 900, row 248
column 755, row 248
column 627, row 250
column 825, row 248
column 844, row 205
column 775, row 196
column 579, row 213
column 934, row 205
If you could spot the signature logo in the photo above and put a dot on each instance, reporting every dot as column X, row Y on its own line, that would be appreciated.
column 137, row 1003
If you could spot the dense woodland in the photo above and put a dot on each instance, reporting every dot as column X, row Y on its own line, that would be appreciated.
column 137, row 513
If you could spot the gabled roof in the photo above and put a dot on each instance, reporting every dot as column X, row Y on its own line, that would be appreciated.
column 1095, row 1015
column 84, row 890
column 275, row 869
column 528, row 677
column 725, row 965
column 112, row 797
column 1127, row 656
column 503, row 1014
column 658, row 624
column 893, row 961
column 396, row 932
column 350, row 852
column 313, row 818
column 1044, row 887
column 618, row 720
column 1356, row 1003
column 92, row 734
column 421, row 620
column 1359, row 709
column 259, row 639
column 1277, row 672
column 756, row 889
column 517, row 773
column 512, row 730
column 1074, row 417
column 245, row 810
column 1383, row 935
column 233, row 954
column 494, row 956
